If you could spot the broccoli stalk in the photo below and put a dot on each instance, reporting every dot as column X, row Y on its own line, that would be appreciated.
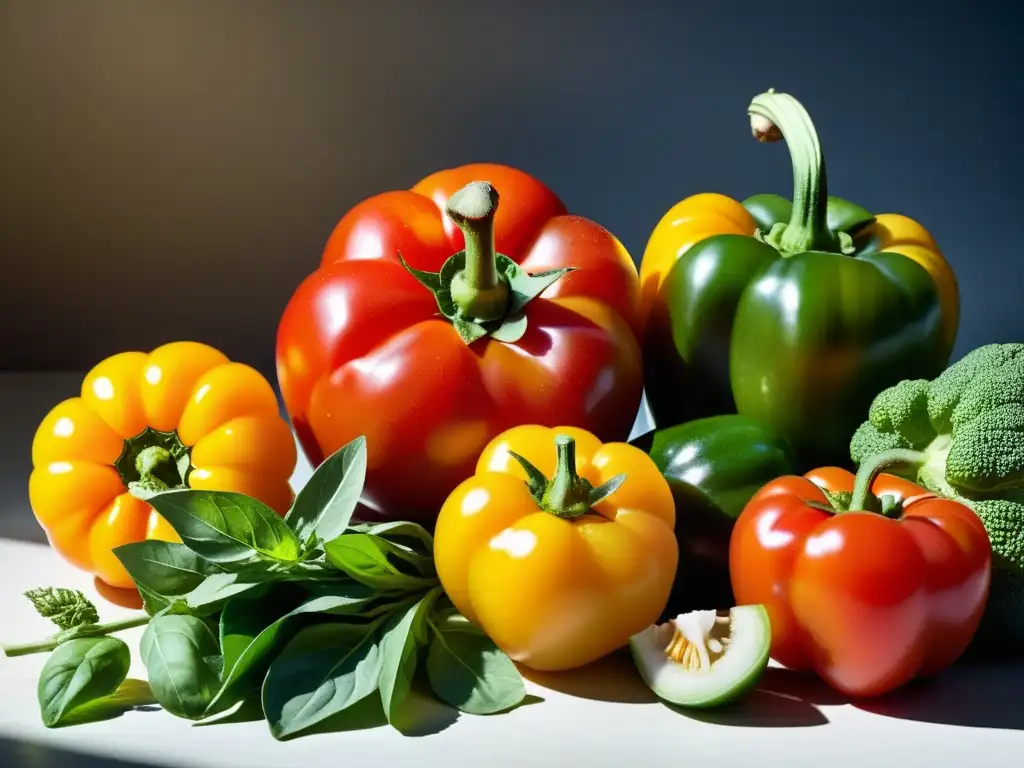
column 962, row 436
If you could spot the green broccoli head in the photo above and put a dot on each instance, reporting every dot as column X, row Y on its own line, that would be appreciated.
column 968, row 427
column 970, row 420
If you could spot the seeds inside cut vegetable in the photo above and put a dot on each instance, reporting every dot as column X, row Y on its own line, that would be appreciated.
column 704, row 658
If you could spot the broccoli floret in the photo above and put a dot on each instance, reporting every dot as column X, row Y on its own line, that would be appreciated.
column 869, row 440
column 969, row 377
column 968, row 426
column 903, row 409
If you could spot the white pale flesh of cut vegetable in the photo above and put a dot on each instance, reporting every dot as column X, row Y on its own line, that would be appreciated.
column 712, row 679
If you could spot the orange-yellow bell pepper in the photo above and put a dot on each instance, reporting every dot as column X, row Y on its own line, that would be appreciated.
column 180, row 416
column 559, row 548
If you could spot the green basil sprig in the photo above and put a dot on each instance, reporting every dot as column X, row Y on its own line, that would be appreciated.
column 307, row 615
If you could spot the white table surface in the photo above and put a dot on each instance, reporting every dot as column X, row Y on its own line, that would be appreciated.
column 601, row 715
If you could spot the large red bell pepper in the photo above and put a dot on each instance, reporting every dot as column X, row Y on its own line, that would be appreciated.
column 867, row 599
column 414, row 333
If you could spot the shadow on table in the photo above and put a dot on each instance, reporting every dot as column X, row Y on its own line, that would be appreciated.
column 782, row 699
column 759, row 709
column 615, row 679
column 16, row 753
column 132, row 696
column 975, row 695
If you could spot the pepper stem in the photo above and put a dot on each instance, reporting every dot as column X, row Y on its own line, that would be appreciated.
column 86, row 630
column 478, row 290
column 862, row 499
column 568, row 494
column 775, row 116
column 152, row 462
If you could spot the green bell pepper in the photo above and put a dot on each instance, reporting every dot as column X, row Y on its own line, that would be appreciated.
column 794, row 314
column 713, row 467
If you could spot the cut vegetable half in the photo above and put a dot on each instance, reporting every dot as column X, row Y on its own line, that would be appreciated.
column 704, row 658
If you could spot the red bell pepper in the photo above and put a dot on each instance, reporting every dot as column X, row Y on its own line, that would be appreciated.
column 438, row 319
column 869, row 588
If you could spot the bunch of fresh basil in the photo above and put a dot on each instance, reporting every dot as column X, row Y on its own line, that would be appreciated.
column 309, row 614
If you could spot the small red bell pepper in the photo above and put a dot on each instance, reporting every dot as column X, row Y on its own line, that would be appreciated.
column 439, row 318
column 869, row 588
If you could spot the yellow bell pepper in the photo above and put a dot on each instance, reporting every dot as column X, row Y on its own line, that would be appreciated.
column 559, row 548
column 180, row 416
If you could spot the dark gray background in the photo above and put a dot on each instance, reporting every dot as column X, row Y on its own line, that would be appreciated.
column 171, row 170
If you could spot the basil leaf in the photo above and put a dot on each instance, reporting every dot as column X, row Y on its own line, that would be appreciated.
column 364, row 557
column 162, row 571
column 323, row 671
column 404, row 559
column 182, row 662
column 324, row 506
column 405, row 544
column 225, row 527
column 354, row 599
column 410, row 535
column 404, row 634
column 78, row 672
column 240, row 617
column 211, row 595
column 468, row 671
column 129, row 695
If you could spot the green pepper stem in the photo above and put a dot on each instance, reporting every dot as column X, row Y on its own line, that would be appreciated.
column 568, row 494
column 775, row 116
column 86, row 630
column 477, row 289
column 862, row 498
column 151, row 463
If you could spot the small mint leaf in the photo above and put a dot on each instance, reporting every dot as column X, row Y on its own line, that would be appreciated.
column 67, row 608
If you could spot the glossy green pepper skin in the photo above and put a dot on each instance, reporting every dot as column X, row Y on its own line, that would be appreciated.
column 713, row 466
column 801, row 322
